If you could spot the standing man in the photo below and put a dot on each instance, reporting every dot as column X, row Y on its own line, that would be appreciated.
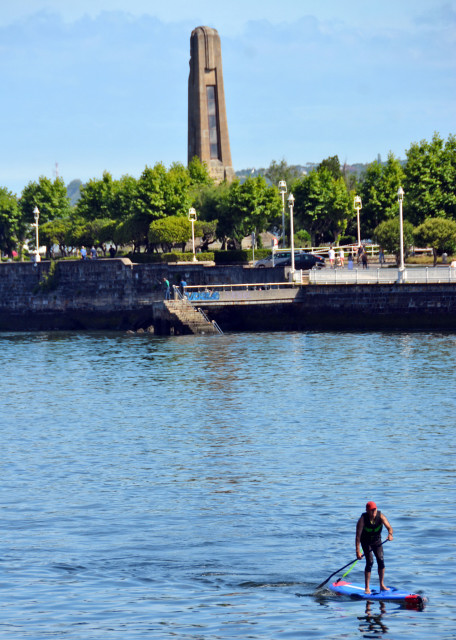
column 368, row 535
column 167, row 289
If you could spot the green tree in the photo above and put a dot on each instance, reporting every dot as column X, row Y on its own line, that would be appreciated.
column 51, row 199
column 169, row 231
column 249, row 206
column 282, row 171
column 387, row 235
column 199, row 173
column 9, row 220
column 96, row 198
column 49, row 196
column 378, row 191
column 333, row 165
column 438, row 233
column 322, row 205
column 56, row 232
column 430, row 179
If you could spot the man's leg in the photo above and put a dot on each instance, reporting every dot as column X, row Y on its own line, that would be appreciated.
column 367, row 576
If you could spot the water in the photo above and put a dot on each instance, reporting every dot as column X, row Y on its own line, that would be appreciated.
column 200, row 488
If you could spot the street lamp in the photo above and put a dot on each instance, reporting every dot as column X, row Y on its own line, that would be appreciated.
column 400, row 197
column 358, row 205
column 290, row 204
column 283, row 190
column 36, row 214
column 192, row 218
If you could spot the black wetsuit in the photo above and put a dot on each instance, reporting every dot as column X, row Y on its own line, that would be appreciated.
column 371, row 540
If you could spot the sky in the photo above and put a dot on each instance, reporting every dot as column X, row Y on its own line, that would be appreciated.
column 101, row 85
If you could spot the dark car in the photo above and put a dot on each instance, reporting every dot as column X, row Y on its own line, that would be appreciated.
column 305, row 261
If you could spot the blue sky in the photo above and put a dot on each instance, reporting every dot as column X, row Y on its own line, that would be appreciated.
column 102, row 85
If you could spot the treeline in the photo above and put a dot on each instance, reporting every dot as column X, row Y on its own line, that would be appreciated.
column 150, row 213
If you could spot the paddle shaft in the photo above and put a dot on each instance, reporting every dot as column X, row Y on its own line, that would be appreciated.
column 344, row 567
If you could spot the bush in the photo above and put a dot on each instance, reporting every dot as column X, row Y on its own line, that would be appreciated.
column 154, row 258
column 239, row 256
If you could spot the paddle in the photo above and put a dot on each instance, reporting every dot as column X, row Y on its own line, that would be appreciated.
column 344, row 567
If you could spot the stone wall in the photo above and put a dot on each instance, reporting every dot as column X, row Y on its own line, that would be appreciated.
column 111, row 293
column 116, row 294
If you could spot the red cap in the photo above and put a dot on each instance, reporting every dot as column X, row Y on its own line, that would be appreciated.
column 370, row 506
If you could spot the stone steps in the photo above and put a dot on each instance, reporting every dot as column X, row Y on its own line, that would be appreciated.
column 188, row 317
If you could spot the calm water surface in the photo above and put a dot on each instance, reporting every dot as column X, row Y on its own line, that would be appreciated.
column 200, row 488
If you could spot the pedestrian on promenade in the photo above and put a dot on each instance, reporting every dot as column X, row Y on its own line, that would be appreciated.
column 182, row 285
column 83, row 253
column 332, row 257
column 167, row 289
column 364, row 260
column 359, row 253
column 341, row 257
column 368, row 536
column 381, row 256
column 93, row 253
column 350, row 262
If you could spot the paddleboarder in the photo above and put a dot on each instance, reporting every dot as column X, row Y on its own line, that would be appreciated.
column 368, row 536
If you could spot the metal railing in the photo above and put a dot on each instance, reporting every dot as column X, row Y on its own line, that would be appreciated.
column 184, row 298
column 410, row 275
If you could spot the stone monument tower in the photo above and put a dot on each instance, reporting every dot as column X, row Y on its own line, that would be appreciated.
column 207, row 124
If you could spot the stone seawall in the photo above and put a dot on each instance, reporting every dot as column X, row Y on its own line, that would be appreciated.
column 101, row 294
column 410, row 307
column 117, row 294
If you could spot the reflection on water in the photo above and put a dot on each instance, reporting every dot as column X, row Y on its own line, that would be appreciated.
column 371, row 625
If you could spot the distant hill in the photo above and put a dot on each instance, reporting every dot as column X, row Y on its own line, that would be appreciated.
column 74, row 191
column 356, row 169
column 73, row 188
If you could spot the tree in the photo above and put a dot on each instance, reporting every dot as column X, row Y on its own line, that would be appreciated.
column 438, row 233
column 430, row 179
column 282, row 171
column 387, row 235
column 9, row 220
column 199, row 173
column 56, row 232
column 170, row 230
column 333, row 165
column 250, row 206
column 51, row 199
column 322, row 205
column 49, row 196
column 207, row 231
column 378, row 192
column 96, row 198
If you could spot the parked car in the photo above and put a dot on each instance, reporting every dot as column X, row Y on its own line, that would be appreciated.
column 305, row 261
column 279, row 259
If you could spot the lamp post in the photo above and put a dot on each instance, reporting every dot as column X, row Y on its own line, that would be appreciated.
column 400, row 197
column 357, row 206
column 290, row 205
column 283, row 190
column 192, row 218
column 36, row 214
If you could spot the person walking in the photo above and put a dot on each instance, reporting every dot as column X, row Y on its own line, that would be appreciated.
column 341, row 257
column 332, row 257
column 368, row 536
